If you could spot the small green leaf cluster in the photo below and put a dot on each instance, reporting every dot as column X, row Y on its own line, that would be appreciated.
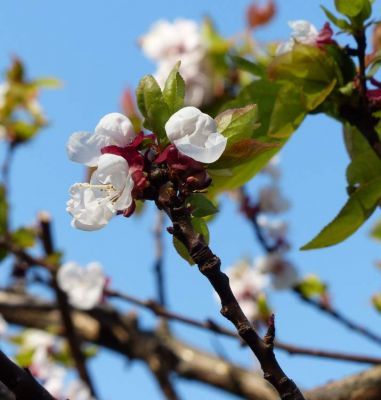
column 21, row 116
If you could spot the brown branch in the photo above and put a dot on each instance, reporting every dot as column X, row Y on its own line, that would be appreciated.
column 212, row 326
column 209, row 265
column 73, row 339
column 20, row 381
column 105, row 327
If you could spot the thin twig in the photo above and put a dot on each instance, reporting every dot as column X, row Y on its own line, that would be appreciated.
column 158, row 264
column 327, row 309
column 212, row 326
column 72, row 337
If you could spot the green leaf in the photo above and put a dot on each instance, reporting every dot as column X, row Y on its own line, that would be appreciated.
column 355, row 212
column 312, row 286
column 365, row 165
column 24, row 131
column 241, row 151
column 238, row 175
column 340, row 23
column 24, row 237
column 376, row 300
column 245, row 65
column 201, row 205
column 201, row 227
column 351, row 8
column 182, row 251
column 376, row 231
column 47, row 82
column 24, row 359
column 153, row 107
column 238, row 121
column 374, row 65
column 174, row 90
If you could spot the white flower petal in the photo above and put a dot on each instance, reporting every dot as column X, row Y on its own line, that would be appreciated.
column 125, row 199
column 116, row 129
column 90, row 208
column 195, row 135
column 113, row 129
column 112, row 170
column 214, row 147
column 85, row 148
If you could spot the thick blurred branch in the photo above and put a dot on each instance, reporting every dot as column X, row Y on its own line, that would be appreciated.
column 121, row 333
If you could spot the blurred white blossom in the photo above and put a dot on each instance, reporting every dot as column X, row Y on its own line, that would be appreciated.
column 271, row 200
column 195, row 135
column 247, row 284
column 275, row 228
column 167, row 43
column 283, row 274
column 77, row 390
column 83, row 286
column 302, row 32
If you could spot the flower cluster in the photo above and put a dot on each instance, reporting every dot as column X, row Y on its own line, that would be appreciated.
column 306, row 33
column 123, row 161
column 44, row 349
column 167, row 43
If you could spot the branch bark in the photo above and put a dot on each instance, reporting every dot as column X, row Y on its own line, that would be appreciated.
column 121, row 333
column 209, row 265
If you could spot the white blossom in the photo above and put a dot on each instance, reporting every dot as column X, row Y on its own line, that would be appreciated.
column 83, row 286
column 303, row 32
column 271, row 200
column 195, row 135
column 93, row 204
column 247, row 284
column 167, row 43
column 36, row 339
column 275, row 228
column 77, row 390
column 113, row 129
column 167, row 39
column 283, row 274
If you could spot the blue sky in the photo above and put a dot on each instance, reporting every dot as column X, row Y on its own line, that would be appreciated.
column 92, row 47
